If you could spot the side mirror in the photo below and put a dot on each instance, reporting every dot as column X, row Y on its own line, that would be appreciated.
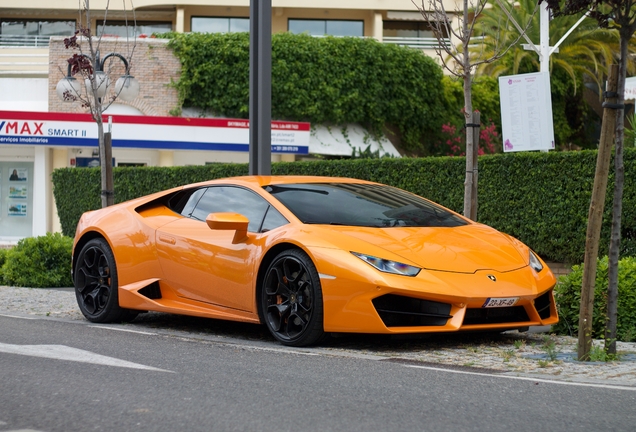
column 229, row 221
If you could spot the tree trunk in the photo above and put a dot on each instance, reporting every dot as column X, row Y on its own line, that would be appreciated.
column 468, row 114
column 619, row 178
column 595, row 221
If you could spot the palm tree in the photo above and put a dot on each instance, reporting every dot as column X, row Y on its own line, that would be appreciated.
column 585, row 54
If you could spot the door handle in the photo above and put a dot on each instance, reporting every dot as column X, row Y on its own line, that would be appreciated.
column 167, row 239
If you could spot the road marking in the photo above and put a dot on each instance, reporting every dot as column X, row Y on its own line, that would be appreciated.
column 24, row 430
column 19, row 317
column 123, row 330
column 62, row 352
column 536, row 380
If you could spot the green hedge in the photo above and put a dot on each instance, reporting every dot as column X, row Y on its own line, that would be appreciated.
column 38, row 262
column 330, row 80
column 568, row 298
column 541, row 198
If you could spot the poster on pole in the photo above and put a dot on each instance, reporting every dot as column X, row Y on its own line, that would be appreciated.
column 630, row 89
column 526, row 112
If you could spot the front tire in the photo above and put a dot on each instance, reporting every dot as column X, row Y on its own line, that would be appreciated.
column 291, row 299
column 96, row 284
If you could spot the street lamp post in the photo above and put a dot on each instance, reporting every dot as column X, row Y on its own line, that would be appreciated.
column 260, row 87
column 97, row 83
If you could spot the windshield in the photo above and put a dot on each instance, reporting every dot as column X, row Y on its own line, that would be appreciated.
column 367, row 205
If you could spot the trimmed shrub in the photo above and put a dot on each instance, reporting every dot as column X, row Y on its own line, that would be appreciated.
column 3, row 259
column 39, row 262
column 568, row 299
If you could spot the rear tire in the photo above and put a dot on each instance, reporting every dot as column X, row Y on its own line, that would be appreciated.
column 96, row 284
column 291, row 299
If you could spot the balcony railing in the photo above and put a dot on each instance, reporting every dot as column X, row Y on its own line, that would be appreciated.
column 43, row 41
column 416, row 42
column 24, row 41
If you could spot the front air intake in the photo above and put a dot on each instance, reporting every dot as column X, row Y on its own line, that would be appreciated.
column 401, row 311
column 542, row 305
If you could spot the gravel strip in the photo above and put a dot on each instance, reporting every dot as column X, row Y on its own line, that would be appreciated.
column 530, row 354
column 37, row 301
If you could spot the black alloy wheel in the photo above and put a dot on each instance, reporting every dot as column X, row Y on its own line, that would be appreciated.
column 291, row 299
column 96, row 284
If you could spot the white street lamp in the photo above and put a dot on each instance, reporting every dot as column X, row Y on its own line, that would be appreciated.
column 102, row 83
column 127, row 87
column 68, row 89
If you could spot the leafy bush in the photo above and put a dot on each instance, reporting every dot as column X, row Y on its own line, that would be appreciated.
column 39, row 262
column 3, row 259
column 568, row 299
column 330, row 80
column 485, row 99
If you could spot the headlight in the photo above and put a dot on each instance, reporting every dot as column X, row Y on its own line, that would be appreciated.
column 387, row 266
column 535, row 263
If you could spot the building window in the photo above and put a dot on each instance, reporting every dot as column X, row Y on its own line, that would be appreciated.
column 22, row 32
column 407, row 29
column 132, row 164
column 132, row 29
column 16, row 207
column 37, row 28
column 219, row 25
column 326, row 27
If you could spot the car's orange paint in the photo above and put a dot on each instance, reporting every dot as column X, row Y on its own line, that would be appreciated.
column 229, row 221
column 348, row 296
column 211, row 271
column 209, row 266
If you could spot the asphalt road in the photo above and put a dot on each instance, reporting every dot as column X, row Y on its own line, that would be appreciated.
column 58, row 375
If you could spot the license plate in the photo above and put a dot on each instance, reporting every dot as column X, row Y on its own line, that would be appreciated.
column 495, row 302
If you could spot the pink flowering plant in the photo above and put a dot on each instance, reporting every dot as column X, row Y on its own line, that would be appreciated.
column 453, row 140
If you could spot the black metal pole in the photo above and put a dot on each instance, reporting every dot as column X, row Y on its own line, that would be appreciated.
column 260, row 87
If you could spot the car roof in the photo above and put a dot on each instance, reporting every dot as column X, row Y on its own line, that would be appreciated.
column 260, row 181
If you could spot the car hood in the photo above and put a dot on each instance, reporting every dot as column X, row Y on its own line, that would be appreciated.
column 464, row 249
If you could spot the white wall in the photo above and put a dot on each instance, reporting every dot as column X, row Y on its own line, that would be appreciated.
column 24, row 94
column 182, row 158
column 148, row 157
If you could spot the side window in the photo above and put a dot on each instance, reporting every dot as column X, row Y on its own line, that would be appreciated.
column 234, row 200
column 273, row 219
column 192, row 202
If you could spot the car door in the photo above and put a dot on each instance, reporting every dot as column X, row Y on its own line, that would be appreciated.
column 208, row 265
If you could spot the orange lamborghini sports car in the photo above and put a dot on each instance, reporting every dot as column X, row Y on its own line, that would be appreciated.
column 307, row 256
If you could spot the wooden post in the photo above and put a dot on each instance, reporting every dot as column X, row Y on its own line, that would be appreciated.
column 473, row 196
column 595, row 216
column 109, row 192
